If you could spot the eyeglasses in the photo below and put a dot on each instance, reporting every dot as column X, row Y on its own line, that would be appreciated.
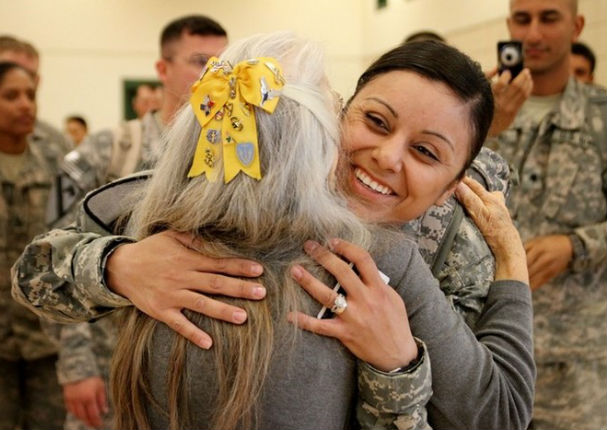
column 195, row 60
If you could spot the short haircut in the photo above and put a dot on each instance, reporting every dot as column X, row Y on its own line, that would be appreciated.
column 10, row 43
column 30, row 50
column 198, row 25
column 77, row 118
column 424, row 35
column 584, row 50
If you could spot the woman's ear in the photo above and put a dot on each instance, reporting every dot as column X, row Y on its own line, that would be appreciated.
column 447, row 193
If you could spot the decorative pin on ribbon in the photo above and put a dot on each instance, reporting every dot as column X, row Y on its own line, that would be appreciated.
column 223, row 100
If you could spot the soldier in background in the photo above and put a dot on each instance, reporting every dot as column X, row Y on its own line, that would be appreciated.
column 583, row 61
column 558, row 143
column 27, row 56
column 30, row 396
column 146, row 99
column 76, row 128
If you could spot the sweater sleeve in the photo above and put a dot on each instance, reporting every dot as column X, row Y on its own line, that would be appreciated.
column 481, row 379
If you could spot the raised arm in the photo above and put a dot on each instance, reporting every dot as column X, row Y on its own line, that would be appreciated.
column 82, row 272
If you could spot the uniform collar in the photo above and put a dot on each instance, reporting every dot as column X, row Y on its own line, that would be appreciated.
column 568, row 114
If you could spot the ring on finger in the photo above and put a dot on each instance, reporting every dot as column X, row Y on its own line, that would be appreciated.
column 339, row 305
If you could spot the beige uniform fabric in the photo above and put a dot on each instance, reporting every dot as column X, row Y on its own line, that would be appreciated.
column 561, row 164
column 29, row 392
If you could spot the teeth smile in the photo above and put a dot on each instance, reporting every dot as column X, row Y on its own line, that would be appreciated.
column 370, row 183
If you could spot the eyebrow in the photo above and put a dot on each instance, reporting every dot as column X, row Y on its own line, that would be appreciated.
column 392, row 111
column 543, row 13
column 520, row 14
column 440, row 136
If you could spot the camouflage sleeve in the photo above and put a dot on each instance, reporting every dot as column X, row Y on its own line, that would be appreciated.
column 77, row 360
column 590, row 254
column 468, row 271
column 59, row 275
column 590, row 251
column 395, row 400
column 96, row 150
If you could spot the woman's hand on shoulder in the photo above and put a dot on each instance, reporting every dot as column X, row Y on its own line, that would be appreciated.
column 163, row 274
column 374, row 326
column 489, row 212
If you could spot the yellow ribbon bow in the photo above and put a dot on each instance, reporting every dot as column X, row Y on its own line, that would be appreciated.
column 223, row 100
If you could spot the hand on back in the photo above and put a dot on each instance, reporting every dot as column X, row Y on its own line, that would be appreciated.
column 163, row 274
column 375, row 325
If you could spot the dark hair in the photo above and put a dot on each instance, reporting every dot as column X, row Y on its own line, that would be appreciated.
column 584, row 50
column 198, row 25
column 440, row 62
column 7, row 66
column 10, row 43
column 424, row 35
column 77, row 118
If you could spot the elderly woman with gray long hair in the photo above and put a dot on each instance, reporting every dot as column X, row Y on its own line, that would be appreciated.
column 247, row 117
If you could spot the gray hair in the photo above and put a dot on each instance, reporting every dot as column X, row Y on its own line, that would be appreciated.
column 267, row 220
column 298, row 146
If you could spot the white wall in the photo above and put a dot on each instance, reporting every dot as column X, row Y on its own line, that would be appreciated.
column 89, row 46
column 474, row 26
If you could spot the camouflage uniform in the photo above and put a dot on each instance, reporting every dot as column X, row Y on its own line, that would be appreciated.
column 60, row 274
column 454, row 247
column 561, row 163
column 85, row 349
column 29, row 393
column 395, row 400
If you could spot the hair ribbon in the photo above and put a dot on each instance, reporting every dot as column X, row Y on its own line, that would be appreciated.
column 223, row 100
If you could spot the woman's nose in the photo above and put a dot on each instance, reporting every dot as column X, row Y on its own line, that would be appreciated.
column 389, row 155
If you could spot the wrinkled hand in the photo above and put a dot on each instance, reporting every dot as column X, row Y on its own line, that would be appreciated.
column 86, row 400
column 508, row 97
column 489, row 212
column 374, row 326
column 163, row 274
column 547, row 257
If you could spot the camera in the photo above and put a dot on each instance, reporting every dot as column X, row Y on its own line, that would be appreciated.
column 510, row 57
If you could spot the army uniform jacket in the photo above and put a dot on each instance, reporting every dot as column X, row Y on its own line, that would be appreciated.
column 23, row 207
column 454, row 247
column 561, row 164
column 85, row 349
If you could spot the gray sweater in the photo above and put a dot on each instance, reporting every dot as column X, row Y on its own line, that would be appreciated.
column 314, row 386
column 481, row 379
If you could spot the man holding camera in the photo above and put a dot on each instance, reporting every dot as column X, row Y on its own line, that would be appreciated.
column 557, row 142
